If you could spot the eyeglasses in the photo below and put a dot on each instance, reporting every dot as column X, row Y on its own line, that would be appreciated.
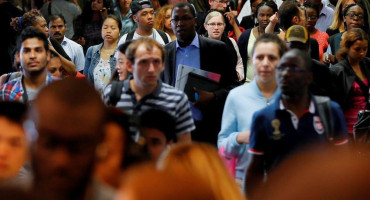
column 353, row 15
column 290, row 69
column 212, row 25
column 222, row 2
column 184, row 19
column 311, row 17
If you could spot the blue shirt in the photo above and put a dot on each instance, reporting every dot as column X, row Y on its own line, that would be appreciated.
column 189, row 55
column 276, row 135
column 325, row 18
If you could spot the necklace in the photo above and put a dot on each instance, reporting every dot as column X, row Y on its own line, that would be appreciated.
column 108, row 52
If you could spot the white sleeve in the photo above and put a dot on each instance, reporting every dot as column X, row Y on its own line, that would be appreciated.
column 239, row 64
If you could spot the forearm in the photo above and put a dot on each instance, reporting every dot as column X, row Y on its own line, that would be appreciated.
column 237, row 31
column 68, row 66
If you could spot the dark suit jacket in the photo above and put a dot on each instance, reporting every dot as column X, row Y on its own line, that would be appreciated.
column 214, row 57
column 322, row 83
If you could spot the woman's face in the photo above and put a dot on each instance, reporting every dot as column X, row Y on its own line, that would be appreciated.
column 97, row 5
column 311, row 19
column 215, row 27
column 265, row 58
column 41, row 25
column 121, row 66
column 263, row 16
column 167, row 20
column 358, row 50
column 354, row 18
column 110, row 31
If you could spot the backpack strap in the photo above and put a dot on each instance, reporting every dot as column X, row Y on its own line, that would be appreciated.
column 163, row 36
column 115, row 93
column 130, row 35
column 324, row 109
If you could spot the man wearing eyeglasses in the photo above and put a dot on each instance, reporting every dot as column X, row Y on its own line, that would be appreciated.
column 292, row 123
column 202, row 53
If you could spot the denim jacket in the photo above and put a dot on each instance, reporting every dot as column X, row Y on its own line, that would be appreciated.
column 93, row 58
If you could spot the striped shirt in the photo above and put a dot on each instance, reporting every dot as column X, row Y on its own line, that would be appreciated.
column 165, row 97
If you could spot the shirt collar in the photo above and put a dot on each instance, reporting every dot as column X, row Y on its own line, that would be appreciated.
column 156, row 92
column 64, row 40
column 311, row 107
column 195, row 42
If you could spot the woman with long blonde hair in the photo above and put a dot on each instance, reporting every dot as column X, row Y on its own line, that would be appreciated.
column 202, row 160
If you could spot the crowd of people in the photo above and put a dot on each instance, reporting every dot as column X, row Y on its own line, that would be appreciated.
column 154, row 99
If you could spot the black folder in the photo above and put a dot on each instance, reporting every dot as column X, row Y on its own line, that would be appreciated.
column 199, row 82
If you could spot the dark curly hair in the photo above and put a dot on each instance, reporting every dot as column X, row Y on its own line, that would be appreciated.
column 28, row 19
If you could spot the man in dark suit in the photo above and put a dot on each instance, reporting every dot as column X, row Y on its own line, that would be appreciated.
column 202, row 53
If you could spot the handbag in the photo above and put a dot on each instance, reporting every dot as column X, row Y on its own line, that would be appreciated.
column 361, row 130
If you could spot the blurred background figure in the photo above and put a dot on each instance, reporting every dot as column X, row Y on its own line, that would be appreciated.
column 117, row 150
column 121, row 73
column 158, row 128
column 163, row 21
column 145, row 182
column 100, row 61
column 123, row 12
column 13, row 145
column 88, row 25
column 54, row 66
column 214, row 23
column 331, row 174
column 203, row 160
column 352, row 75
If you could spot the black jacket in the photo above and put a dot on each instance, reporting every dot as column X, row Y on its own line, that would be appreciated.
column 344, row 76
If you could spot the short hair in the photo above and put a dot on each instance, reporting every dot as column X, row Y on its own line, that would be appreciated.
column 266, row 38
column 213, row 14
column 55, row 17
column 304, row 56
column 270, row 4
column 185, row 4
column 161, row 120
column 123, row 47
column 13, row 111
column 287, row 11
column 348, row 40
column 115, row 18
column 149, row 44
column 30, row 32
column 314, row 6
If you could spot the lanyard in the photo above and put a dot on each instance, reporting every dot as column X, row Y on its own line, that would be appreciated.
column 24, row 95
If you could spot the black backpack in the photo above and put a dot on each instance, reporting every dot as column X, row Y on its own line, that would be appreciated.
column 115, row 93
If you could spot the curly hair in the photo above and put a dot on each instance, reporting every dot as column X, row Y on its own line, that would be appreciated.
column 161, row 16
column 28, row 19
column 348, row 40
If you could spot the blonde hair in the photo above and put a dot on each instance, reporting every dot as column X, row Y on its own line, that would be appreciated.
column 338, row 16
column 212, row 15
column 160, row 17
column 203, row 160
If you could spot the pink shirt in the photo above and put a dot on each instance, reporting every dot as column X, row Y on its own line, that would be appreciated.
column 357, row 102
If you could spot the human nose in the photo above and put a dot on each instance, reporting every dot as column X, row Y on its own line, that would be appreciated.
column 61, row 157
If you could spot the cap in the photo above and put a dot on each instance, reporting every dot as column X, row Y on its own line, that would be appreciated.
column 297, row 33
column 138, row 5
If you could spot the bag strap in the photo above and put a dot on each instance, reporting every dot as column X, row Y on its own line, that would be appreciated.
column 163, row 36
column 324, row 110
column 130, row 35
column 115, row 93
